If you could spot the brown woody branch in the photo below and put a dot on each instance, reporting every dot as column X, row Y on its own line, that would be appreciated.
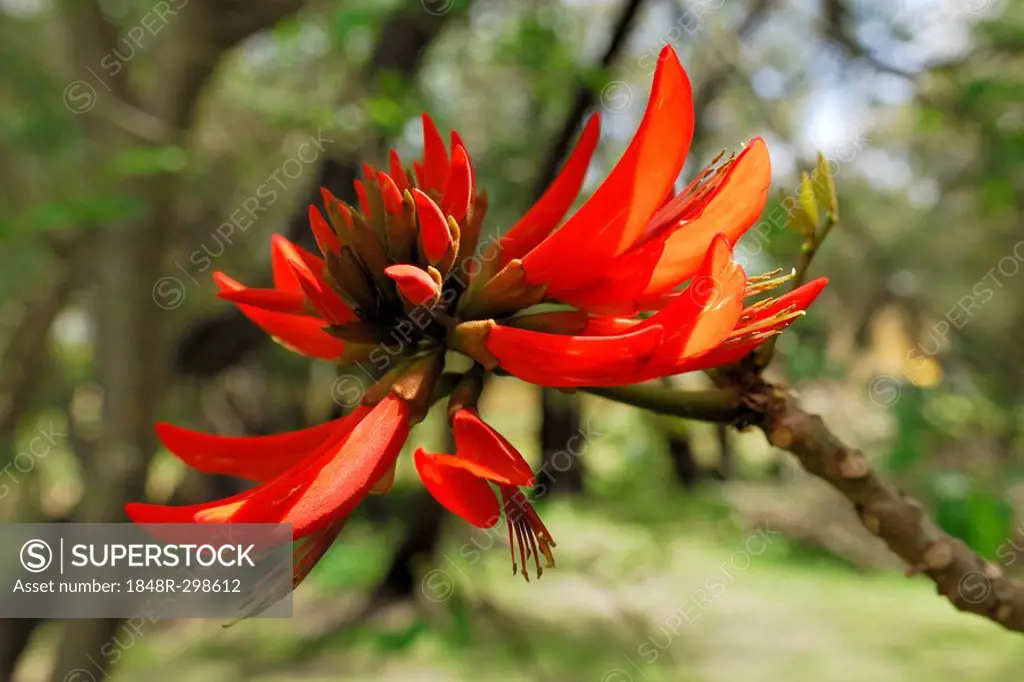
column 971, row 583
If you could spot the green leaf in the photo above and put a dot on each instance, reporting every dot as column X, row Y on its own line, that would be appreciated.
column 991, row 523
column 808, row 207
column 149, row 160
column 825, row 188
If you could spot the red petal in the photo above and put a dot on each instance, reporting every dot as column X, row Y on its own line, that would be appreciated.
column 481, row 445
column 312, row 548
column 668, row 259
column 732, row 211
column 421, row 178
column 322, row 232
column 292, row 303
column 434, row 237
column 557, row 360
column 364, row 204
column 320, row 490
column 544, row 216
column 398, row 173
column 281, row 251
column 330, row 306
column 415, row 285
column 255, row 458
column 385, row 482
column 302, row 334
column 457, row 140
column 458, row 490
column 459, row 191
column 734, row 350
column 435, row 158
column 614, row 217
column 708, row 310
column 390, row 192
column 307, row 273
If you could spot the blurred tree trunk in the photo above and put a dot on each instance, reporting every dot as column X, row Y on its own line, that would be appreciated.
column 416, row 549
column 561, row 470
column 684, row 465
column 131, row 354
column 418, row 545
column 726, row 462
column 20, row 375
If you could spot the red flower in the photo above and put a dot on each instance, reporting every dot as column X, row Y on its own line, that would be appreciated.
column 404, row 279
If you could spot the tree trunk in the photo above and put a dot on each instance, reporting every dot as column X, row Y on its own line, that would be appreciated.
column 416, row 549
column 562, row 468
column 683, row 462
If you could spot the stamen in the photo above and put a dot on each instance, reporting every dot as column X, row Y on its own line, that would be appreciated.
column 760, row 284
column 765, row 275
column 782, row 317
column 527, row 531
column 691, row 201
column 751, row 311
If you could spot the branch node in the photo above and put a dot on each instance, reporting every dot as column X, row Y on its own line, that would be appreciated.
column 993, row 572
column 781, row 437
column 872, row 522
column 938, row 555
column 854, row 465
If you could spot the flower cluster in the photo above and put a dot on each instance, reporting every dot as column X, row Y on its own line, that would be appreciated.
column 404, row 265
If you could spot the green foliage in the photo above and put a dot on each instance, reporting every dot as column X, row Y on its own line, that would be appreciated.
column 983, row 520
column 911, row 429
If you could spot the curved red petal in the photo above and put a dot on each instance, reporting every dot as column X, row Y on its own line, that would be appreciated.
column 320, row 490
column 255, row 458
column 544, row 216
column 390, row 192
column 364, row 203
column 292, row 303
column 281, row 251
column 457, row 489
column 563, row 360
column 325, row 237
column 614, row 217
column 459, row 190
column 732, row 211
column 656, row 266
column 398, row 172
column 434, row 237
column 415, row 285
column 734, row 349
column 707, row 311
column 478, row 443
column 435, row 157
column 324, row 300
column 302, row 334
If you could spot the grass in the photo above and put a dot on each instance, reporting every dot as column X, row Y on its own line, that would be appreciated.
column 694, row 598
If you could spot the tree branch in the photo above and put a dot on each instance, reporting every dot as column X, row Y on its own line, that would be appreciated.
column 971, row 583
column 706, row 406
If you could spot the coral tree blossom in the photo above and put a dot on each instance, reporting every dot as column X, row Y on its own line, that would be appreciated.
column 644, row 282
